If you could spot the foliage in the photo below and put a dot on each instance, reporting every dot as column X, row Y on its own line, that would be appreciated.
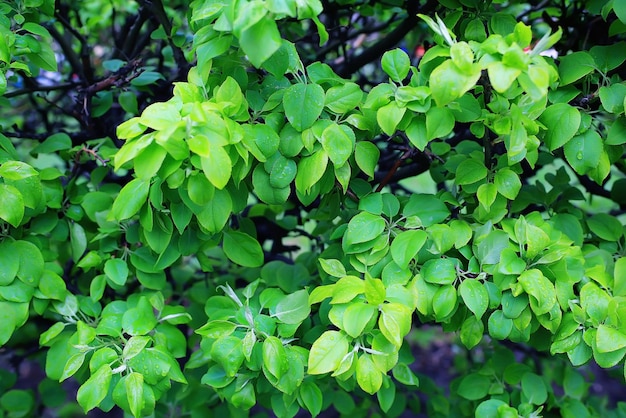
column 257, row 205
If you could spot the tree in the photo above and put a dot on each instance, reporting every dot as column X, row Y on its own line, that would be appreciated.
column 235, row 206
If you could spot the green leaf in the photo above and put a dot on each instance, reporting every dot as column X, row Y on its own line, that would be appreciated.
column 367, row 155
column 338, row 142
column 609, row 57
column 508, row 183
column 363, row 227
column 406, row 245
column 444, row 302
column 403, row 374
column 562, row 122
column 12, row 208
column 274, row 358
column 160, row 116
column 502, row 76
column 575, row 66
column 612, row 97
column 293, row 308
column 343, row 98
column 116, row 270
column 312, row 397
column 216, row 329
column 228, row 352
column 609, row 339
column 439, row 271
column 31, row 262
column 540, row 289
column 470, row 171
column 331, row 266
column 131, row 198
column 310, row 170
column 134, row 392
column 260, row 40
column 283, row 171
column 605, row 226
column 389, row 116
column 19, row 402
column 428, row 208
column 356, row 317
column 242, row 249
column 139, row 320
column 95, row 389
column 347, row 288
column 475, row 296
column 73, row 364
column 78, row 240
column 486, row 194
column 369, row 378
column 56, row 142
column 448, row 83
column 394, row 322
column 303, row 104
column 583, row 152
column 134, row 346
column 499, row 325
column 534, row 389
column 474, row 386
column 472, row 332
column 217, row 166
column 396, row 64
column 439, row 122
column 327, row 352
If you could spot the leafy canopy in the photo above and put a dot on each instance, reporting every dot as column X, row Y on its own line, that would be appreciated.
column 228, row 204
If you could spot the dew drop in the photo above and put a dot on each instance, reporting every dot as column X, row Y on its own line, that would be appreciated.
column 579, row 155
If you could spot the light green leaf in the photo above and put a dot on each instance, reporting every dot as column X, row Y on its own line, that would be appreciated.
column 439, row 271
column 366, row 155
column 131, row 198
column 343, row 98
column 470, row 171
column 448, row 83
column 116, row 270
column 369, row 378
column 395, row 322
column 562, row 122
column 260, row 40
column 389, row 116
column 406, row 245
column 583, row 152
column 439, row 122
column 475, row 296
column 396, row 64
column 310, row 170
column 356, row 317
column 338, row 142
column 508, row 183
column 134, row 392
column 363, row 227
column 609, row 339
column 12, row 207
column 327, row 352
column 303, row 104
column 217, row 166
column 293, row 308
column 95, row 389
column 228, row 352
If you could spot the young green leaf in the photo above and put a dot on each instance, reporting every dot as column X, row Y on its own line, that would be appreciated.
column 95, row 389
column 327, row 352
column 303, row 105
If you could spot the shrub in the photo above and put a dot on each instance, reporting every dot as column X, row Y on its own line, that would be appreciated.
column 234, row 206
